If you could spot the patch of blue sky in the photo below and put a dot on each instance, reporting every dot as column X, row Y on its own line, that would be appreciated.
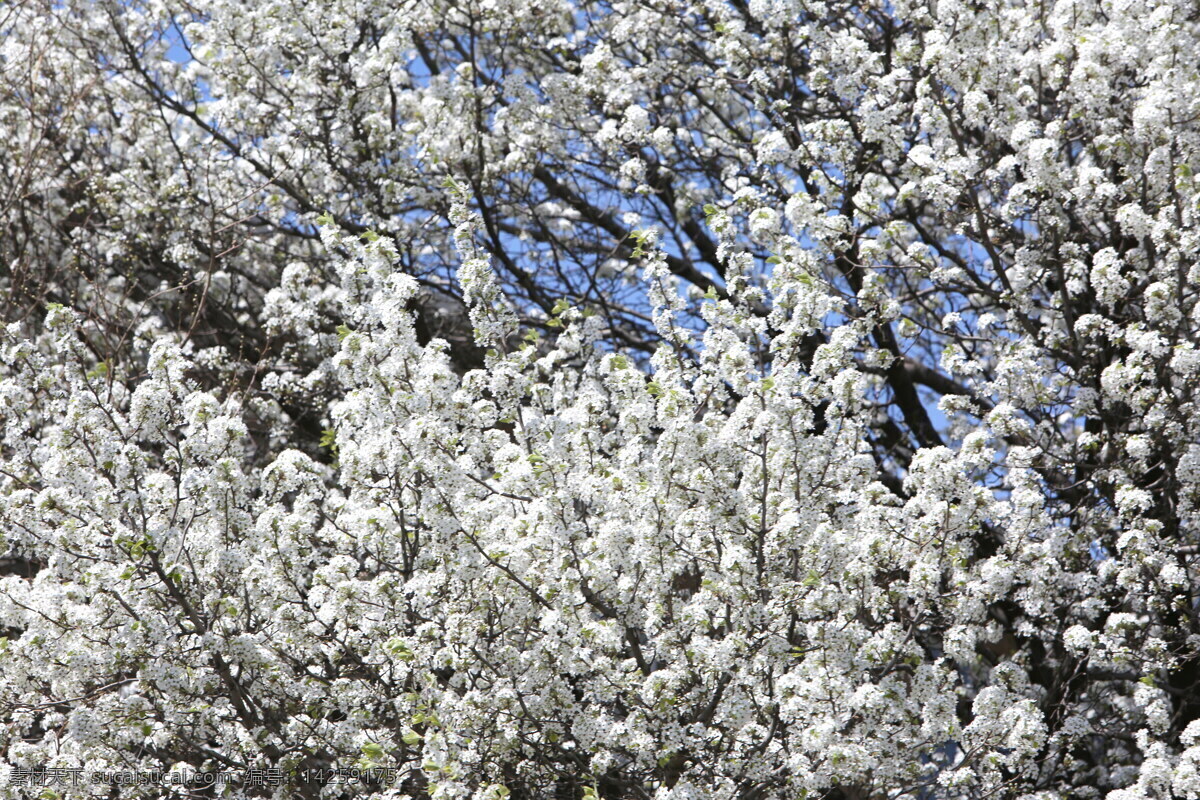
column 178, row 48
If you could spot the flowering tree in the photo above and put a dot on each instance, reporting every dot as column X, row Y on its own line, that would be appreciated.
column 603, row 400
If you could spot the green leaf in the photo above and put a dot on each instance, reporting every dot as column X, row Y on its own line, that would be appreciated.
column 372, row 751
column 411, row 738
column 639, row 236
column 400, row 649
column 343, row 331
column 710, row 293
column 774, row 260
column 370, row 236
column 561, row 306
column 325, row 219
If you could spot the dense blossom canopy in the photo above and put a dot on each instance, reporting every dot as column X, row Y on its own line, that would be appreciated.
column 732, row 399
